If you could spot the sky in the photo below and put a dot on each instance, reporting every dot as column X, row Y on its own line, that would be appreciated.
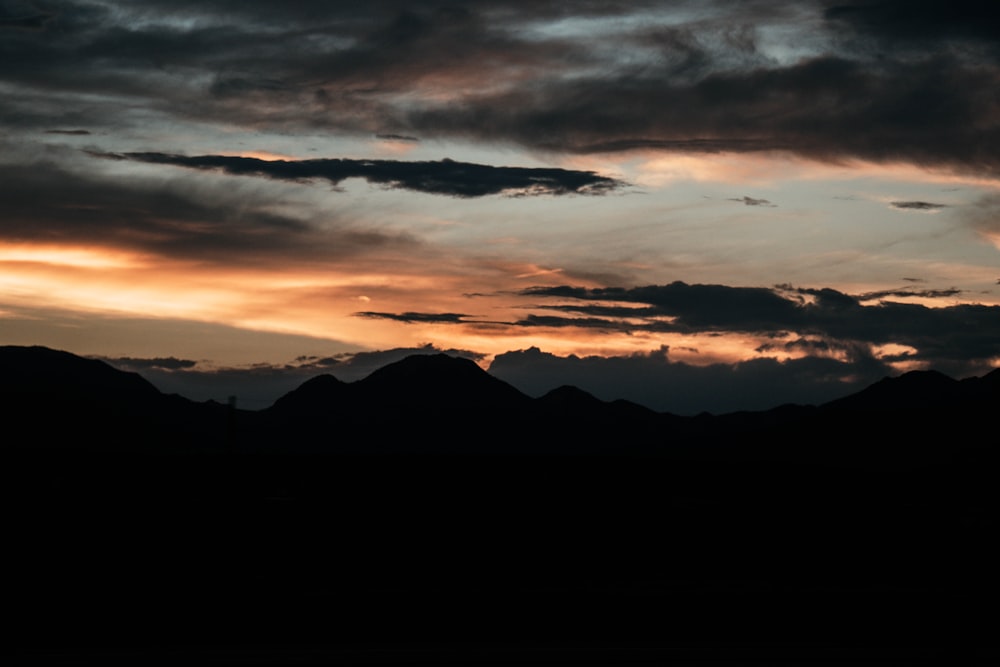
column 697, row 206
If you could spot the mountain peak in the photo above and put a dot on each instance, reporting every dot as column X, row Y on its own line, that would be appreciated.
column 316, row 393
column 912, row 390
column 436, row 377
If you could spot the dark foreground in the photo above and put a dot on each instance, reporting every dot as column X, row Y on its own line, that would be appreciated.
column 270, row 560
column 431, row 514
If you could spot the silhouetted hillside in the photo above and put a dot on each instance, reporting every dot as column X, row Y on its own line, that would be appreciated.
column 437, row 403
column 43, row 372
column 866, row 522
column 56, row 400
column 923, row 390
column 313, row 397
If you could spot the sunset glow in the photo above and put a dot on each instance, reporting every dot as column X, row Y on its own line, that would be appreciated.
column 618, row 183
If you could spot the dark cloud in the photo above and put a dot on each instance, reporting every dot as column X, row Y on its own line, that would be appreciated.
column 69, row 132
column 597, row 323
column 679, row 145
column 884, row 81
column 444, row 177
column 917, row 205
column 654, row 380
column 927, row 293
column 750, row 201
column 160, row 363
column 919, row 24
column 958, row 338
column 31, row 22
column 800, row 344
column 410, row 317
column 397, row 137
column 697, row 307
column 829, row 107
column 314, row 362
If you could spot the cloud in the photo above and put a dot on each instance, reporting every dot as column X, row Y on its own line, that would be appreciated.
column 444, row 177
column 955, row 338
column 45, row 203
column 160, row 363
column 917, row 205
column 918, row 25
column 695, row 307
column 750, row 201
column 887, row 81
column 69, row 132
column 410, row 317
column 30, row 22
column 926, row 294
column 397, row 137
column 829, row 107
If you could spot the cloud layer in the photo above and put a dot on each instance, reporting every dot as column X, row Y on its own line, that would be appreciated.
column 881, row 81
column 948, row 336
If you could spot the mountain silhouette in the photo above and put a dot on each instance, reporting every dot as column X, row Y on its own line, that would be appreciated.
column 46, row 372
column 435, row 402
column 431, row 381
column 57, row 400
column 922, row 390
column 314, row 396
column 432, row 505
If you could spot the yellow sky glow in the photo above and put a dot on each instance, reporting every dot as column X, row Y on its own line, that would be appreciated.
column 322, row 302
column 82, row 257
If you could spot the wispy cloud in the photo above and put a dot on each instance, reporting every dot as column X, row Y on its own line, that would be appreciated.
column 159, row 363
column 397, row 137
column 410, row 317
column 750, row 201
column 917, row 205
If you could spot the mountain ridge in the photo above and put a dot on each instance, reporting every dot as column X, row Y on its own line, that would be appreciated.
column 459, row 407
